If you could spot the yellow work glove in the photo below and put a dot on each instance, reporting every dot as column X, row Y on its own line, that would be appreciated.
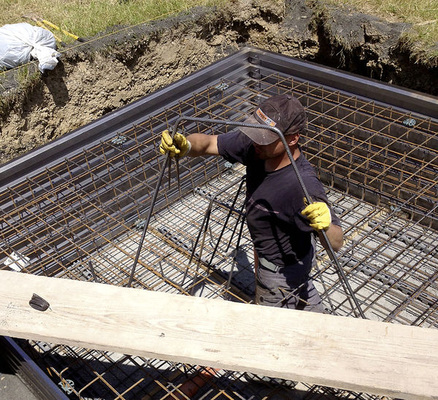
column 319, row 215
column 178, row 147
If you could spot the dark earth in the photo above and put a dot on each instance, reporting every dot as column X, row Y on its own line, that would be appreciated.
column 125, row 64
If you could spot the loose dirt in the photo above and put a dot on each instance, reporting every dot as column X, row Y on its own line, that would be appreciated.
column 121, row 66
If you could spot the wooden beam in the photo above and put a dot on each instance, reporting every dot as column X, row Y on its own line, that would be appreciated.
column 354, row 354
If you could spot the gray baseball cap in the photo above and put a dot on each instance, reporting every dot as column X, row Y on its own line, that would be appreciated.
column 285, row 112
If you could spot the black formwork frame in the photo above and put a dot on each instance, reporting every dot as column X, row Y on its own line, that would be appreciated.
column 75, row 209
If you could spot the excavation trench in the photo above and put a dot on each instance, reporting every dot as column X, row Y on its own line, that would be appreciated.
column 121, row 66
column 76, row 207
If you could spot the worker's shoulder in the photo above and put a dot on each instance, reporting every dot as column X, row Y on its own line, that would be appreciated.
column 305, row 166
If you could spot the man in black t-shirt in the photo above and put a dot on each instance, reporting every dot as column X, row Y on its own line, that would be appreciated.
column 281, row 225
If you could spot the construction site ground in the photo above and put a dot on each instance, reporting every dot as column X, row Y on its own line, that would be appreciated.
column 390, row 257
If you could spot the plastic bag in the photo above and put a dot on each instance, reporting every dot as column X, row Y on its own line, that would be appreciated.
column 19, row 43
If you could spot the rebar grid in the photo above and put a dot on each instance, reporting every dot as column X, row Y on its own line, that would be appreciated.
column 82, row 219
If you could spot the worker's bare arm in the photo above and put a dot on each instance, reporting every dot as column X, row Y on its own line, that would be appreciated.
column 202, row 145
column 335, row 236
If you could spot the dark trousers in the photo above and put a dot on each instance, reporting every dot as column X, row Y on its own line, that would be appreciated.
column 289, row 287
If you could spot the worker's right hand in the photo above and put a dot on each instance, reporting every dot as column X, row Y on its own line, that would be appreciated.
column 178, row 147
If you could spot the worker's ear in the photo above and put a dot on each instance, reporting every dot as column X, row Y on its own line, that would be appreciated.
column 292, row 139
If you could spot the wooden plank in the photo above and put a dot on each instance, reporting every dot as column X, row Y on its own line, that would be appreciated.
column 360, row 355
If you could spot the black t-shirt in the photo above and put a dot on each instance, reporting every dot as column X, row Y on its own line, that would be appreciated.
column 274, row 201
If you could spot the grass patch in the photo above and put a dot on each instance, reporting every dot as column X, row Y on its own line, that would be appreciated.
column 89, row 17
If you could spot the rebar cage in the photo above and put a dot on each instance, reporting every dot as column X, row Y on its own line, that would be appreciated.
column 75, row 209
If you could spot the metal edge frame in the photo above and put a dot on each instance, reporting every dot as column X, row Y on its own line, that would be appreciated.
column 29, row 372
column 406, row 99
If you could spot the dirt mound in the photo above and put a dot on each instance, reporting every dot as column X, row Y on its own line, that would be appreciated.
column 122, row 66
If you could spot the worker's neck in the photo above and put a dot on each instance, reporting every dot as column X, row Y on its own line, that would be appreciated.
column 274, row 164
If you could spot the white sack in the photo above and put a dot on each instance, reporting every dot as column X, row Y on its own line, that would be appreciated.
column 20, row 42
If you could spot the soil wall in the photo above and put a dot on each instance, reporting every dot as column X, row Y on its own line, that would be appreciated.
column 119, row 67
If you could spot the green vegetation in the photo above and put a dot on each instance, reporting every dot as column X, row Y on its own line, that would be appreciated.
column 89, row 17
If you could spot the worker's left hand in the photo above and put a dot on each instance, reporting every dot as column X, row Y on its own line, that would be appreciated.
column 319, row 215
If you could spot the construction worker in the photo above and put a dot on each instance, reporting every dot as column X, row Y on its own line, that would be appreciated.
column 281, row 225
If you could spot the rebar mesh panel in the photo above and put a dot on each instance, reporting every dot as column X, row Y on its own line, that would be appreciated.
column 82, row 218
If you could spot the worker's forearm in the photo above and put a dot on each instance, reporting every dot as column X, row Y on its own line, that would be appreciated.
column 335, row 236
column 202, row 145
